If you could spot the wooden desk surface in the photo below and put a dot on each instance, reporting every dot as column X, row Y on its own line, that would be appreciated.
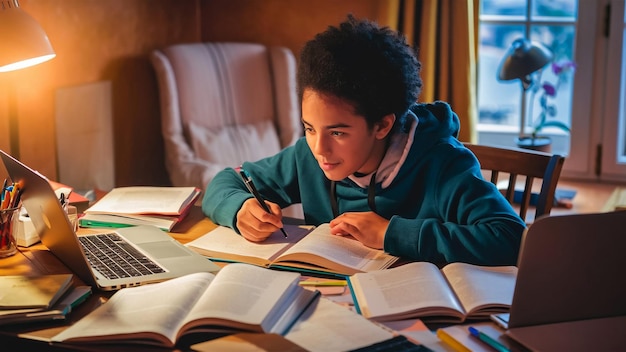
column 590, row 197
column 37, row 260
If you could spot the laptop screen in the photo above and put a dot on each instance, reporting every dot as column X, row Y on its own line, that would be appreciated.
column 570, row 268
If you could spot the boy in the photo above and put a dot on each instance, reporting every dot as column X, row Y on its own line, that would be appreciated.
column 373, row 163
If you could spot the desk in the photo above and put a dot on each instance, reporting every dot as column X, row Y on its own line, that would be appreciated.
column 37, row 259
column 590, row 197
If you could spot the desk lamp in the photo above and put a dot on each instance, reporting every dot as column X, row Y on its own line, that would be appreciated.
column 522, row 60
column 23, row 43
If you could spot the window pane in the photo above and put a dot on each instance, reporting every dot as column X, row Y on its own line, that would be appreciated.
column 550, row 22
column 555, row 8
column 503, row 7
column 498, row 101
column 557, row 107
column 558, row 38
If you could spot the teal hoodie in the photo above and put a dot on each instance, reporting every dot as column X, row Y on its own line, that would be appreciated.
column 439, row 206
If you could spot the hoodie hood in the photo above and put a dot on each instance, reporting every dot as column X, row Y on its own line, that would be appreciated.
column 437, row 121
column 428, row 124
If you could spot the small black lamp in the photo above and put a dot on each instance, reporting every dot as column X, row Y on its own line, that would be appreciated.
column 521, row 60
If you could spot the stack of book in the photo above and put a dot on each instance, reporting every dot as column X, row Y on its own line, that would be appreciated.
column 162, row 207
column 28, row 299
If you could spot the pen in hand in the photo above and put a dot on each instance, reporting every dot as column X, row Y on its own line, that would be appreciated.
column 248, row 181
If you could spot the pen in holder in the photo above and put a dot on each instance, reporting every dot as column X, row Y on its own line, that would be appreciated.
column 8, row 225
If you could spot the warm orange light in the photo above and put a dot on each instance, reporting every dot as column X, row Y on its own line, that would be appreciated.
column 23, row 42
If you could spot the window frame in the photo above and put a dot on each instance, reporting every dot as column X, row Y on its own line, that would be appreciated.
column 595, row 99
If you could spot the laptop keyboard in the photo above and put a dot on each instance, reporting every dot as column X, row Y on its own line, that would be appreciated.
column 115, row 258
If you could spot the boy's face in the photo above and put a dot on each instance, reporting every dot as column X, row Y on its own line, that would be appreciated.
column 340, row 140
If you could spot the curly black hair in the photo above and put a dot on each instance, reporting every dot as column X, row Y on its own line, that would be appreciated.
column 371, row 67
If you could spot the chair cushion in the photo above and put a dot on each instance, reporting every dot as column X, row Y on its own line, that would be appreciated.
column 248, row 142
column 240, row 94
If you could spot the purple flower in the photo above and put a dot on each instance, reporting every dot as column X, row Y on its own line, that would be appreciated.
column 549, row 89
column 560, row 67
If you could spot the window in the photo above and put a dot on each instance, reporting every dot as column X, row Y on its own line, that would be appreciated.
column 590, row 101
column 550, row 22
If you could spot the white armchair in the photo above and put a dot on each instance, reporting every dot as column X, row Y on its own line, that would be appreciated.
column 223, row 104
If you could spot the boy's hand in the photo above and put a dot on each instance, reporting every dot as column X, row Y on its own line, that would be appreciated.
column 255, row 224
column 368, row 228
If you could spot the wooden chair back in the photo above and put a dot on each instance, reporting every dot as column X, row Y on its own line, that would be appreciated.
column 530, row 165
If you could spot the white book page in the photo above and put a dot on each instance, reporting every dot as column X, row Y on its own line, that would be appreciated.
column 402, row 289
column 143, row 199
column 327, row 326
column 244, row 293
column 479, row 286
column 224, row 243
column 345, row 251
column 159, row 308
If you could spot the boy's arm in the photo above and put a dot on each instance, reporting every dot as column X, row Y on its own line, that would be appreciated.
column 468, row 221
column 223, row 198
column 275, row 177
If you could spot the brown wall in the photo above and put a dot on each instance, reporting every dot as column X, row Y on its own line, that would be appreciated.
column 287, row 23
column 98, row 40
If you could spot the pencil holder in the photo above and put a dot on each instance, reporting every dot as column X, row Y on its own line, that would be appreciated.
column 8, row 225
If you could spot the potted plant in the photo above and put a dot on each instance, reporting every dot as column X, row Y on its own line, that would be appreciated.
column 547, row 93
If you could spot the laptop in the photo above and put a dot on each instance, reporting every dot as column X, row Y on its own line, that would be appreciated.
column 569, row 294
column 158, row 256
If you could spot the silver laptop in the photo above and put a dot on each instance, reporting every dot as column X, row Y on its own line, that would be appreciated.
column 147, row 253
column 569, row 292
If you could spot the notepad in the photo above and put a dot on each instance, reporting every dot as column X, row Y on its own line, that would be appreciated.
column 18, row 292
column 58, row 311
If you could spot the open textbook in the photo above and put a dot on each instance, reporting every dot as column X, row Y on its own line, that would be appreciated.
column 239, row 298
column 162, row 207
column 457, row 292
column 306, row 250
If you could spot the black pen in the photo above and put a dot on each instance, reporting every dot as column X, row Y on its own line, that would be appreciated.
column 248, row 181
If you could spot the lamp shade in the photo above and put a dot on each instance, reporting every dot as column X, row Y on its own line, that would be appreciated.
column 522, row 59
column 23, row 42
